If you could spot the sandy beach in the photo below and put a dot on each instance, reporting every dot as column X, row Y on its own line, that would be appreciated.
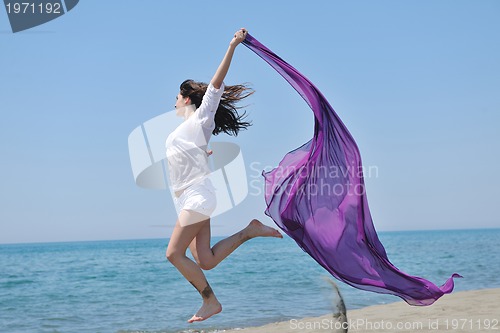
column 467, row 311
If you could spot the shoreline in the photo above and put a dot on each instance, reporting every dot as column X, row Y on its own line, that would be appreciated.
column 463, row 311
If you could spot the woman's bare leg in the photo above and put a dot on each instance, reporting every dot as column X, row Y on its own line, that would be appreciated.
column 176, row 254
column 208, row 257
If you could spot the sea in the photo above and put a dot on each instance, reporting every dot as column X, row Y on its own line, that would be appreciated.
column 128, row 286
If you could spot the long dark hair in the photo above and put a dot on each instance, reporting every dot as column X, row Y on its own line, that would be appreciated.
column 227, row 118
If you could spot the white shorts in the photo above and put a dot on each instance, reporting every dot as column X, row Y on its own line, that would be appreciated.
column 199, row 197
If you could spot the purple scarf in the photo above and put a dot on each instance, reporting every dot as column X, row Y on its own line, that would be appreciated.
column 317, row 197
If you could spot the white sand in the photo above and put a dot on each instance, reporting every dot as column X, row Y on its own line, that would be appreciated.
column 467, row 311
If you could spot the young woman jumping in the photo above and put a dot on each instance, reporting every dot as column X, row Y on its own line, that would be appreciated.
column 206, row 109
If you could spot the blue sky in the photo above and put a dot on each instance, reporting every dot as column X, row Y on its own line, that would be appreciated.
column 416, row 82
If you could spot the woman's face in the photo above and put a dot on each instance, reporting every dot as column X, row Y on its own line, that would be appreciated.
column 180, row 105
column 181, row 101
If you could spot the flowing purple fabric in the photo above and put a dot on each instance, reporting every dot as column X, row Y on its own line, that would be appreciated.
column 317, row 196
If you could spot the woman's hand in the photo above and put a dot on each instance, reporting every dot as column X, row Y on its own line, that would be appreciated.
column 239, row 36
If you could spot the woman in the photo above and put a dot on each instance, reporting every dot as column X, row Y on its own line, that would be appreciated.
column 205, row 113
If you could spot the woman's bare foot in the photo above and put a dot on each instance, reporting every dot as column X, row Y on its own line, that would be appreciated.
column 257, row 229
column 207, row 310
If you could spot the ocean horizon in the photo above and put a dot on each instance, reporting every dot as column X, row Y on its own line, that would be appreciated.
column 128, row 285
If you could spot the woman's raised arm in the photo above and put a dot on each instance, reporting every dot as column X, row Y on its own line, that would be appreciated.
column 221, row 72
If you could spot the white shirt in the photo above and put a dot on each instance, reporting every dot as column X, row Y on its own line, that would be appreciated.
column 187, row 145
